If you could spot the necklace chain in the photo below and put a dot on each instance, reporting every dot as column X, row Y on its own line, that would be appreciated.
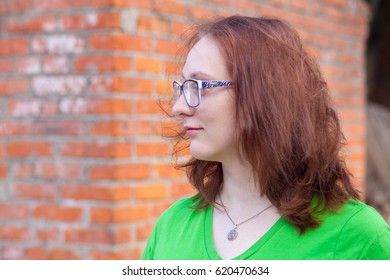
column 233, row 233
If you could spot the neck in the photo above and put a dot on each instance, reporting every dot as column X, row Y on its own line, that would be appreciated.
column 240, row 187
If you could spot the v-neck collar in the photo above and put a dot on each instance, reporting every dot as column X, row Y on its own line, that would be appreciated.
column 209, row 241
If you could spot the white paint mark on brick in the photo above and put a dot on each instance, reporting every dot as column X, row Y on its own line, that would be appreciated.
column 101, row 84
column 49, row 26
column 75, row 106
column 56, row 64
column 27, row 108
column 44, row 85
column 29, row 65
column 12, row 253
column 58, row 44
column 129, row 20
column 92, row 19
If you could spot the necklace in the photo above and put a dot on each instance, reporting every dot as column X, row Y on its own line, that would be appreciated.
column 233, row 233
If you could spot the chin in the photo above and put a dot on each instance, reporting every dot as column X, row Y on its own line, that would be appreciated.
column 201, row 153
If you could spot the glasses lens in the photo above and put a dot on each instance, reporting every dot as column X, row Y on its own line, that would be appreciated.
column 190, row 89
column 176, row 91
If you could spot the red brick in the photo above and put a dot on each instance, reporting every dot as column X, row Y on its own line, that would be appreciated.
column 14, row 85
column 119, row 172
column 143, row 232
column 245, row 5
column 120, row 193
column 2, row 151
column 3, row 171
column 338, row 3
column 31, row 108
column 168, row 171
column 6, row 66
column 160, row 207
column 132, row 85
column 12, row 252
column 183, row 189
column 56, row 64
column 58, row 44
column 152, row 24
column 144, row 4
column 13, row 211
column 104, row 215
column 107, row 150
column 36, row 253
column 97, row 236
column 151, row 191
column 200, row 13
column 58, row 213
column 152, row 149
column 102, row 63
column 165, row 91
column 25, row 149
column 128, row 254
column 58, row 128
column 167, row 47
column 47, row 234
column 170, row 7
column 44, row 5
column 121, row 84
column 23, row 170
column 178, row 28
column 63, row 254
column 28, row 65
column 119, row 41
column 14, row 128
column 123, row 128
column 59, row 85
column 13, row 46
column 171, row 68
column 150, row 107
column 14, row 233
column 220, row 2
column 49, row 170
column 81, row 106
column 34, row 24
column 168, row 128
column 148, row 65
column 91, row 20
column 36, row 191
column 14, row 6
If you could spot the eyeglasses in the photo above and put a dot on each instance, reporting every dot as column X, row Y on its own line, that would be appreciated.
column 192, row 89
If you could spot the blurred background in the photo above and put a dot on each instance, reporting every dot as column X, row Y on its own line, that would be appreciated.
column 84, row 171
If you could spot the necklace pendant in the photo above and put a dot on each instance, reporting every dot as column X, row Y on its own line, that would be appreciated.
column 232, row 234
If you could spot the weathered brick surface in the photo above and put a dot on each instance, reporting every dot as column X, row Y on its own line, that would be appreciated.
column 84, row 172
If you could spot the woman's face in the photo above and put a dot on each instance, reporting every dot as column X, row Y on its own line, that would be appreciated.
column 211, row 125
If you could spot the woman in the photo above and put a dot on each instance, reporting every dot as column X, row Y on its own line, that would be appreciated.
column 265, row 147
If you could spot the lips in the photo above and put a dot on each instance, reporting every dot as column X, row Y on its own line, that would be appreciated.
column 192, row 130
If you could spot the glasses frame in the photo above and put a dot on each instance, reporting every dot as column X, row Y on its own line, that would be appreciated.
column 201, row 84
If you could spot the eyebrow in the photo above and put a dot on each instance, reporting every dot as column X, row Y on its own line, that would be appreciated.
column 199, row 76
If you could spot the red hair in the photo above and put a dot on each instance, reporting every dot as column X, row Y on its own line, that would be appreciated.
column 286, row 127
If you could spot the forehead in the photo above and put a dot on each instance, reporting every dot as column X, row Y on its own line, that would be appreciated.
column 205, row 59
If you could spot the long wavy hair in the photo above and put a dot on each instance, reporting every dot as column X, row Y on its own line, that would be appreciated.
column 286, row 127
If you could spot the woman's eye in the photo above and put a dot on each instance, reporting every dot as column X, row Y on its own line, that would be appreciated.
column 205, row 90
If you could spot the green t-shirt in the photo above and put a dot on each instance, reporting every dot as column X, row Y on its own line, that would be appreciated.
column 356, row 231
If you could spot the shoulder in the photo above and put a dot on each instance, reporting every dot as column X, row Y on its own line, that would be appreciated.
column 172, row 224
column 358, row 213
column 364, row 230
column 181, row 209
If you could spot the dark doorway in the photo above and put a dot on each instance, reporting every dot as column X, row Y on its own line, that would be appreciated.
column 378, row 108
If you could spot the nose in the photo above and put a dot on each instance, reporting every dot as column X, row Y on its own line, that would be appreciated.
column 181, row 107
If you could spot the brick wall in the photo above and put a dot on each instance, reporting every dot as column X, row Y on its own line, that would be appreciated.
column 84, row 172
